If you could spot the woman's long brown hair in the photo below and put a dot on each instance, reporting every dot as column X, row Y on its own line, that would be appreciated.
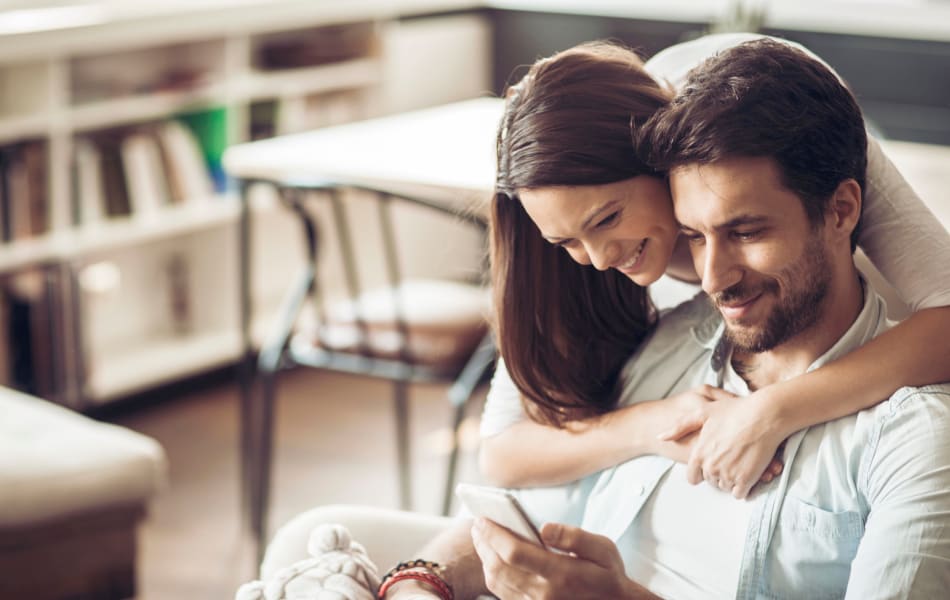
column 565, row 330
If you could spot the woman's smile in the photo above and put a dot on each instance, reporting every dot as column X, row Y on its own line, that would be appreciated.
column 632, row 265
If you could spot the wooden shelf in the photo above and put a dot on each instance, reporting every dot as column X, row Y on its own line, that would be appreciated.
column 310, row 80
column 15, row 256
column 134, row 109
column 13, row 128
column 159, row 359
column 116, row 234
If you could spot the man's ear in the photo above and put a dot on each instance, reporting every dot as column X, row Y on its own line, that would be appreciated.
column 845, row 209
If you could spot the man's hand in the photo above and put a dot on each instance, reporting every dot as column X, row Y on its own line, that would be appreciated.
column 516, row 568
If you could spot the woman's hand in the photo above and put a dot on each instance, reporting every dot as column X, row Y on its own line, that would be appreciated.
column 732, row 441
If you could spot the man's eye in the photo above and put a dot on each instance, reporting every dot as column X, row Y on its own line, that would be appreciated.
column 608, row 219
column 693, row 239
column 747, row 236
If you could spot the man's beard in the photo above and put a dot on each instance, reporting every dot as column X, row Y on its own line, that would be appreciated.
column 799, row 309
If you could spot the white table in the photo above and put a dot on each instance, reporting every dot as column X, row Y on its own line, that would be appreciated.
column 439, row 153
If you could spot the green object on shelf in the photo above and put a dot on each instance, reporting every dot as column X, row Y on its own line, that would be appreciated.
column 210, row 126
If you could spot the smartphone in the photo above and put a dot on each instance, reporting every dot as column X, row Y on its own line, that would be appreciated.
column 501, row 507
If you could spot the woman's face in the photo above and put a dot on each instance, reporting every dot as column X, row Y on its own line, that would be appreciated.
column 627, row 225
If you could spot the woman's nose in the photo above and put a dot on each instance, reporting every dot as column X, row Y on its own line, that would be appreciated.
column 602, row 255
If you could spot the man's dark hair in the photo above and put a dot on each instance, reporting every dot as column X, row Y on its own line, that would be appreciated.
column 765, row 98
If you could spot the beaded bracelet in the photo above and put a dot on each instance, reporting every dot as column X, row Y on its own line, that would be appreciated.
column 416, row 563
column 441, row 587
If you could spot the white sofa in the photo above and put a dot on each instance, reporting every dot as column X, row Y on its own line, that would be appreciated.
column 72, row 492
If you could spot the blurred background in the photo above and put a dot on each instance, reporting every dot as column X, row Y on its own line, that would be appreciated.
column 120, row 252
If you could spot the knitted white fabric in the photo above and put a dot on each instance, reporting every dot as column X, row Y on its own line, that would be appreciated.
column 338, row 570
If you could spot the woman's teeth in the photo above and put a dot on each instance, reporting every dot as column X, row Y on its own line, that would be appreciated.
column 633, row 260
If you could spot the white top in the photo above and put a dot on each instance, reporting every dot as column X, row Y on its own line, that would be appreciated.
column 900, row 235
column 671, row 532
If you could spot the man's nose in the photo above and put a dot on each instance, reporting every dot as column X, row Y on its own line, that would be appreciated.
column 601, row 254
column 720, row 268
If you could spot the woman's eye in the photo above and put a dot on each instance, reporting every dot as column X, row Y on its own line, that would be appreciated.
column 608, row 219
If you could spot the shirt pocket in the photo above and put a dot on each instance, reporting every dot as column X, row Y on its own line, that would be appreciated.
column 811, row 552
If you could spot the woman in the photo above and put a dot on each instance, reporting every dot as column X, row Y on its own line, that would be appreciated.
column 565, row 329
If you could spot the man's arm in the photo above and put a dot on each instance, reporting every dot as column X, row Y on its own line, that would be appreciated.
column 463, row 571
column 905, row 550
column 516, row 568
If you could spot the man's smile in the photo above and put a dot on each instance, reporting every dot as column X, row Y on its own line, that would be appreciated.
column 736, row 309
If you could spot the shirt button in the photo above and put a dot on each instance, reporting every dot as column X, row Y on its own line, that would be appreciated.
column 640, row 490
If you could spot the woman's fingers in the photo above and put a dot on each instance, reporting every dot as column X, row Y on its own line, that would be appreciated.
column 693, row 406
column 684, row 426
column 716, row 394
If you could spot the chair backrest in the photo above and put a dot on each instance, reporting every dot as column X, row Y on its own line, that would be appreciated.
column 362, row 300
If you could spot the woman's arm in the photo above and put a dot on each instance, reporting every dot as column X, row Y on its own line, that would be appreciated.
column 529, row 454
column 512, row 443
column 739, row 437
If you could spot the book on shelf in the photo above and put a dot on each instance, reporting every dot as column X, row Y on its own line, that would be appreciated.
column 6, row 372
column 115, row 185
column 210, row 129
column 34, row 160
column 88, row 190
column 23, row 191
column 18, row 203
column 28, row 334
column 293, row 115
column 145, row 174
column 188, row 175
column 137, row 171
column 4, row 197
column 263, row 119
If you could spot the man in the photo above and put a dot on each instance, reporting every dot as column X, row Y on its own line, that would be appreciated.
column 766, row 155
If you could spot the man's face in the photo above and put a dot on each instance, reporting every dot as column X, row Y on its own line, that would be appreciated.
column 763, row 265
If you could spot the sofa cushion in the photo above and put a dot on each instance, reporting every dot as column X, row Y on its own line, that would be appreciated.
column 55, row 462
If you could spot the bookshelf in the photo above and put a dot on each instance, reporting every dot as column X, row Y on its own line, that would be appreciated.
column 118, row 257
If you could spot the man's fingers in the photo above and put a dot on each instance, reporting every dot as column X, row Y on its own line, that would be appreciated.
column 583, row 544
column 775, row 467
column 511, row 548
column 503, row 576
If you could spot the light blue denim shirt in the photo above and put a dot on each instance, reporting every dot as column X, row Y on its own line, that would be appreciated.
column 862, row 509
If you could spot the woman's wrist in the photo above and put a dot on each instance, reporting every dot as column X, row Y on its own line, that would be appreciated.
column 640, row 426
column 776, row 414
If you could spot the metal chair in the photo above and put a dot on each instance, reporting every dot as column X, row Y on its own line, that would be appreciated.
column 352, row 336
